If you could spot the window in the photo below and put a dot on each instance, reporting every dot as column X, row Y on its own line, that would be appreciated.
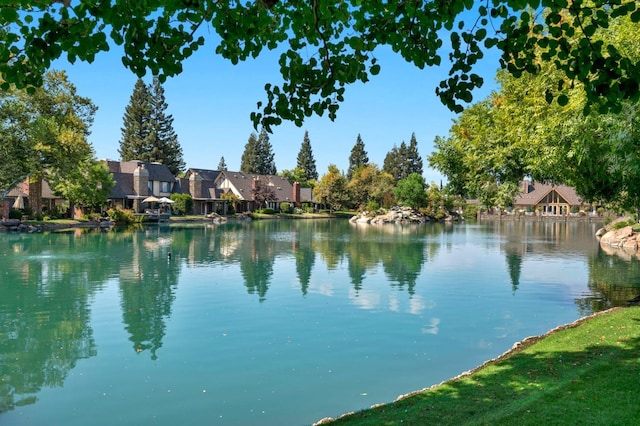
column 165, row 187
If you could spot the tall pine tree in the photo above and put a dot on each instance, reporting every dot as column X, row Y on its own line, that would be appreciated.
column 267, row 165
column 147, row 132
column 222, row 165
column 249, row 161
column 414, row 161
column 166, row 148
column 137, row 127
column 358, row 157
column 306, row 162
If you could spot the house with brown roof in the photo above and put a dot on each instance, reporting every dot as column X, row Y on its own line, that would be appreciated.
column 18, row 198
column 548, row 199
column 200, row 184
column 136, row 180
column 242, row 185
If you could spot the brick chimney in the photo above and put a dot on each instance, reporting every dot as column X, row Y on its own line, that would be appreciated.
column 525, row 186
column 296, row 193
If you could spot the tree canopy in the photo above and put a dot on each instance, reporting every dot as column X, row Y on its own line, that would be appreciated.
column 258, row 156
column 325, row 46
column 306, row 161
column 357, row 158
column 147, row 132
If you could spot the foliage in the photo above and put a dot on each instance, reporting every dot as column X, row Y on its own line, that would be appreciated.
column 147, row 132
column 370, row 184
column 222, row 165
column 325, row 46
column 516, row 132
column 88, row 186
column 402, row 161
column 119, row 215
column 358, row 157
column 258, row 157
column 262, row 192
column 15, row 214
column 410, row 191
column 306, row 162
column 183, row 203
column 43, row 133
column 332, row 189
column 285, row 207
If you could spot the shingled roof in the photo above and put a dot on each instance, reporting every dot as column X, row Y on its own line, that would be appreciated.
column 243, row 184
column 536, row 192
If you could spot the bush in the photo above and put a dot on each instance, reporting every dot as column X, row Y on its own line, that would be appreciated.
column 470, row 211
column 372, row 206
column 15, row 214
column 182, row 203
column 285, row 207
column 120, row 215
column 267, row 210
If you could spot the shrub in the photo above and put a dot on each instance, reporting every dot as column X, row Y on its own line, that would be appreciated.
column 470, row 211
column 268, row 210
column 15, row 214
column 120, row 215
column 372, row 206
column 285, row 207
column 183, row 203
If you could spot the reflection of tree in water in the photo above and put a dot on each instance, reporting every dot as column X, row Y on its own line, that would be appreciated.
column 613, row 281
column 305, row 259
column 257, row 256
column 147, row 288
column 514, row 265
column 44, row 314
column 404, row 263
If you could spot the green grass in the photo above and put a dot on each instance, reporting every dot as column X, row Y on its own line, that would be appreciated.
column 587, row 374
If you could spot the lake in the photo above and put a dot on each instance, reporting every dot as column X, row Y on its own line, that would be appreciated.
column 277, row 322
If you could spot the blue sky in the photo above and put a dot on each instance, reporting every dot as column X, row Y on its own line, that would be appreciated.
column 212, row 99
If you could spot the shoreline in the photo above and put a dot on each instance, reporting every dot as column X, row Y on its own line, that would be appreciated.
column 515, row 349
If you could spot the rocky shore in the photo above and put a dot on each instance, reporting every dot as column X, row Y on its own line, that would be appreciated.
column 400, row 215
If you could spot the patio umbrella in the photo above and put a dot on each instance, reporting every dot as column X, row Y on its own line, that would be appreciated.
column 166, row 200
column 19, row 203
column 151, row 199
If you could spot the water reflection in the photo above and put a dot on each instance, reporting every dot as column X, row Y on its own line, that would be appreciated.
column 48, row 282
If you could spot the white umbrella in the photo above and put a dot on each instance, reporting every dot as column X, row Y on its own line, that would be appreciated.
column 19, row 203
column 166, row 200
column 151, row 199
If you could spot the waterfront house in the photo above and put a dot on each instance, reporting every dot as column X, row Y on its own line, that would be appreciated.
column 548, row 199
column 136, row 180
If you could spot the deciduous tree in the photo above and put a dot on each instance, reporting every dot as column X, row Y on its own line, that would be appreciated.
column 332, row 189
column 325, row 46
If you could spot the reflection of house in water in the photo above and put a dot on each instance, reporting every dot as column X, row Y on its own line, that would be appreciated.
column 548, row 199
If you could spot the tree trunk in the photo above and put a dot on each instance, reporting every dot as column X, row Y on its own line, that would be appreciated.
column 35, row 195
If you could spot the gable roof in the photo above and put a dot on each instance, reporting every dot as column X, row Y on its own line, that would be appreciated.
column 205, row 174
column 243, row 184
column 157, row 171
column 537, row 192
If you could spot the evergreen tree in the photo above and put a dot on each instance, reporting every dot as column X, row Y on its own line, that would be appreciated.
column 414, row 161
column 396, row 163
column 249, row 161
column 222, row 165
column 166, row 148
column 137, row 127
column 266, row 162
column 357, row 158
column 306, row 162
column 147, row 132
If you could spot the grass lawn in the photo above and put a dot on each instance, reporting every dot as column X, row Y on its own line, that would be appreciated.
column 587, row 373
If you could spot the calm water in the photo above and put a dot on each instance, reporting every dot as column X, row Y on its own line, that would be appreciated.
column 277, row 322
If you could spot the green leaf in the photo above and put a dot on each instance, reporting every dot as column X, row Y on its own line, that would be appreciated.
column 563, row 100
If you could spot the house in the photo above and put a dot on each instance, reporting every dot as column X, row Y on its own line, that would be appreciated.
column 200, row 184
column 242, row 186
column 18, row 198
column 548, row 199
column 136, row 180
